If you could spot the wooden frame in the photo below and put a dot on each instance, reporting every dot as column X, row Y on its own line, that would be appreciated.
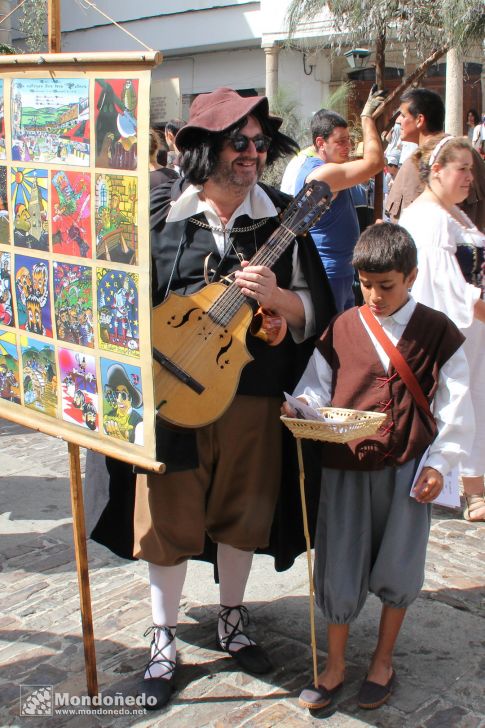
column 74, row 250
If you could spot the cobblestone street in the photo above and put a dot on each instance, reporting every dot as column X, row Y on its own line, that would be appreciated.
column 440, row 661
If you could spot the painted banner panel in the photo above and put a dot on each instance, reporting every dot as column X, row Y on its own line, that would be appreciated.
column 75, row 308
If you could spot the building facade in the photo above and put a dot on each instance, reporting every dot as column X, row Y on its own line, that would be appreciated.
column 242, row 44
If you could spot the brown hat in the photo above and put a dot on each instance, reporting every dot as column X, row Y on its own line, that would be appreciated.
column 221, row 109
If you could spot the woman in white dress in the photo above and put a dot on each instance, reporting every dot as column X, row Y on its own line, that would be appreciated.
column 439, row 227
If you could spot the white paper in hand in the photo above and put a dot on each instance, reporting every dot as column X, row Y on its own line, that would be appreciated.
column 303, row 411
column 450, row 495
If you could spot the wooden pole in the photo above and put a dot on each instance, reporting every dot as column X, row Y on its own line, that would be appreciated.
column 80, row 549
column 54, row 26
column 414, row 76
column 77, row 503
column 306, row 531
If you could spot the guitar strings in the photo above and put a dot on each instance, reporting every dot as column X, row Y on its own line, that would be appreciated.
column 229, row 301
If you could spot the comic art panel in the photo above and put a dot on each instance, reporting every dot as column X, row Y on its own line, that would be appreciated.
column 3, row 154
column 39, row 375
column 50, row 120
column 70, row 213
column 33, row 295
column 29, row 195
column 118, row 324
column 9, row 367
column 73, row 303
column 116, row 123
column 122, row 401
column 116, row 218
column 4, row 207
column 7, row 315
column 79, row 389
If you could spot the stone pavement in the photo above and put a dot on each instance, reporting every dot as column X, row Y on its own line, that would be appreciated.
column 440, row 659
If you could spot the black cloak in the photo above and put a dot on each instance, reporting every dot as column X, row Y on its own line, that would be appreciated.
column 114, row 529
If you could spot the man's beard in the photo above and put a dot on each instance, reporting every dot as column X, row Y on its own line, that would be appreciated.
column 225, row 175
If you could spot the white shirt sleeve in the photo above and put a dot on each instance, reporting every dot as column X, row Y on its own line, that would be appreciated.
column 453, row 411
column 315, row 384
column 299, row 286
column 440, row 283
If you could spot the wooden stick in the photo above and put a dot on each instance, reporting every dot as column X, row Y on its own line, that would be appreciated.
column 120, row 450
column 83, row 59
column 53, row 26
column 414, row 76
column 79, row 532
column 309, row 561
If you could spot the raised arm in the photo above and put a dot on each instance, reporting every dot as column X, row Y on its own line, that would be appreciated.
column 345, row 175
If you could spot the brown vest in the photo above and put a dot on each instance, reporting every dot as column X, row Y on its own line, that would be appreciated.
column 360, row 382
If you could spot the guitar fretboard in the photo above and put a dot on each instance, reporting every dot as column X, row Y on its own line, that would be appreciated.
column 231, row 300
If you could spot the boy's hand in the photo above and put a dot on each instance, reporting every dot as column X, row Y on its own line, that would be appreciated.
column 428, row 486
column 288, row 411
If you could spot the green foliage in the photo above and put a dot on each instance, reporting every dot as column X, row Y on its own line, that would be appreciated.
column 284, row 105
column 33, row 24
column 6, row 50
column 424, row 24
column 339, row 98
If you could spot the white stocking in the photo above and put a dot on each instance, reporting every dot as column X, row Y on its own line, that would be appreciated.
column 234, row 566
column 166, row 584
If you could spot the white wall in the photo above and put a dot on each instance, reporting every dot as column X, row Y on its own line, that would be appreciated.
column 75, row 15
column 235, row 24
column 207, row 71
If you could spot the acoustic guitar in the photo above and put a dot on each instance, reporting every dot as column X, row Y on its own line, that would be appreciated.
column 199, row 340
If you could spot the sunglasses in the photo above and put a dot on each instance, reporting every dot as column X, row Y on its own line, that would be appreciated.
column 240, row 142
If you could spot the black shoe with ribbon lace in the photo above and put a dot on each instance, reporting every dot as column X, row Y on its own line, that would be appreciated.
column 251, row 658
column 157, row 690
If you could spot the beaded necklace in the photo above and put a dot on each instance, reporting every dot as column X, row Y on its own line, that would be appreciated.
column 222, row 229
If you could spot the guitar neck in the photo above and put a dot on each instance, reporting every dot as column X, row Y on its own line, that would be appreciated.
column 229, row 303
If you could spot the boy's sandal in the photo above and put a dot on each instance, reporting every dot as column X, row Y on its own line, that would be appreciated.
column 315, row 698
column 474, row 503
column 372, row 695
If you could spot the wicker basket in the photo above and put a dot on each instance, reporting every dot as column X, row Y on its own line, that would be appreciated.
column 341, row 425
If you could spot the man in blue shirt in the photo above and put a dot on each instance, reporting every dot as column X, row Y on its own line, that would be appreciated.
column 336, row 232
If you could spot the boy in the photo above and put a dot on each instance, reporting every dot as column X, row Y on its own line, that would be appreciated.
column 371, row 535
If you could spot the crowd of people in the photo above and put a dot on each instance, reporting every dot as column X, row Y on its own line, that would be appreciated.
column 413, row 351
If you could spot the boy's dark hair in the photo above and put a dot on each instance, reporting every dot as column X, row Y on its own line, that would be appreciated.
column 324, row 122
column 174, row 125
column 384, row 247
column 429, row 104
column 202, row 148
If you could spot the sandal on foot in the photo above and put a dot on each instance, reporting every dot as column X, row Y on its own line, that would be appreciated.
column 315, row 698
column 157, row 691
column 473, row 503
column 251, row 658
column 372, row 695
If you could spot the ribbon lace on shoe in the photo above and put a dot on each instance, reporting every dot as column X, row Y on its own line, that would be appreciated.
column 234, row 630
column 157, row 656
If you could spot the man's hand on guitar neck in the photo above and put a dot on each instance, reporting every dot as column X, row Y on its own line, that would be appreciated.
column 259, row 282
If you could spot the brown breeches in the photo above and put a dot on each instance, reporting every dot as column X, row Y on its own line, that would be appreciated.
column 231, row 495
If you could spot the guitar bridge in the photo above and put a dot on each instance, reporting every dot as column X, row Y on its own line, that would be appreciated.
column 178, row 372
